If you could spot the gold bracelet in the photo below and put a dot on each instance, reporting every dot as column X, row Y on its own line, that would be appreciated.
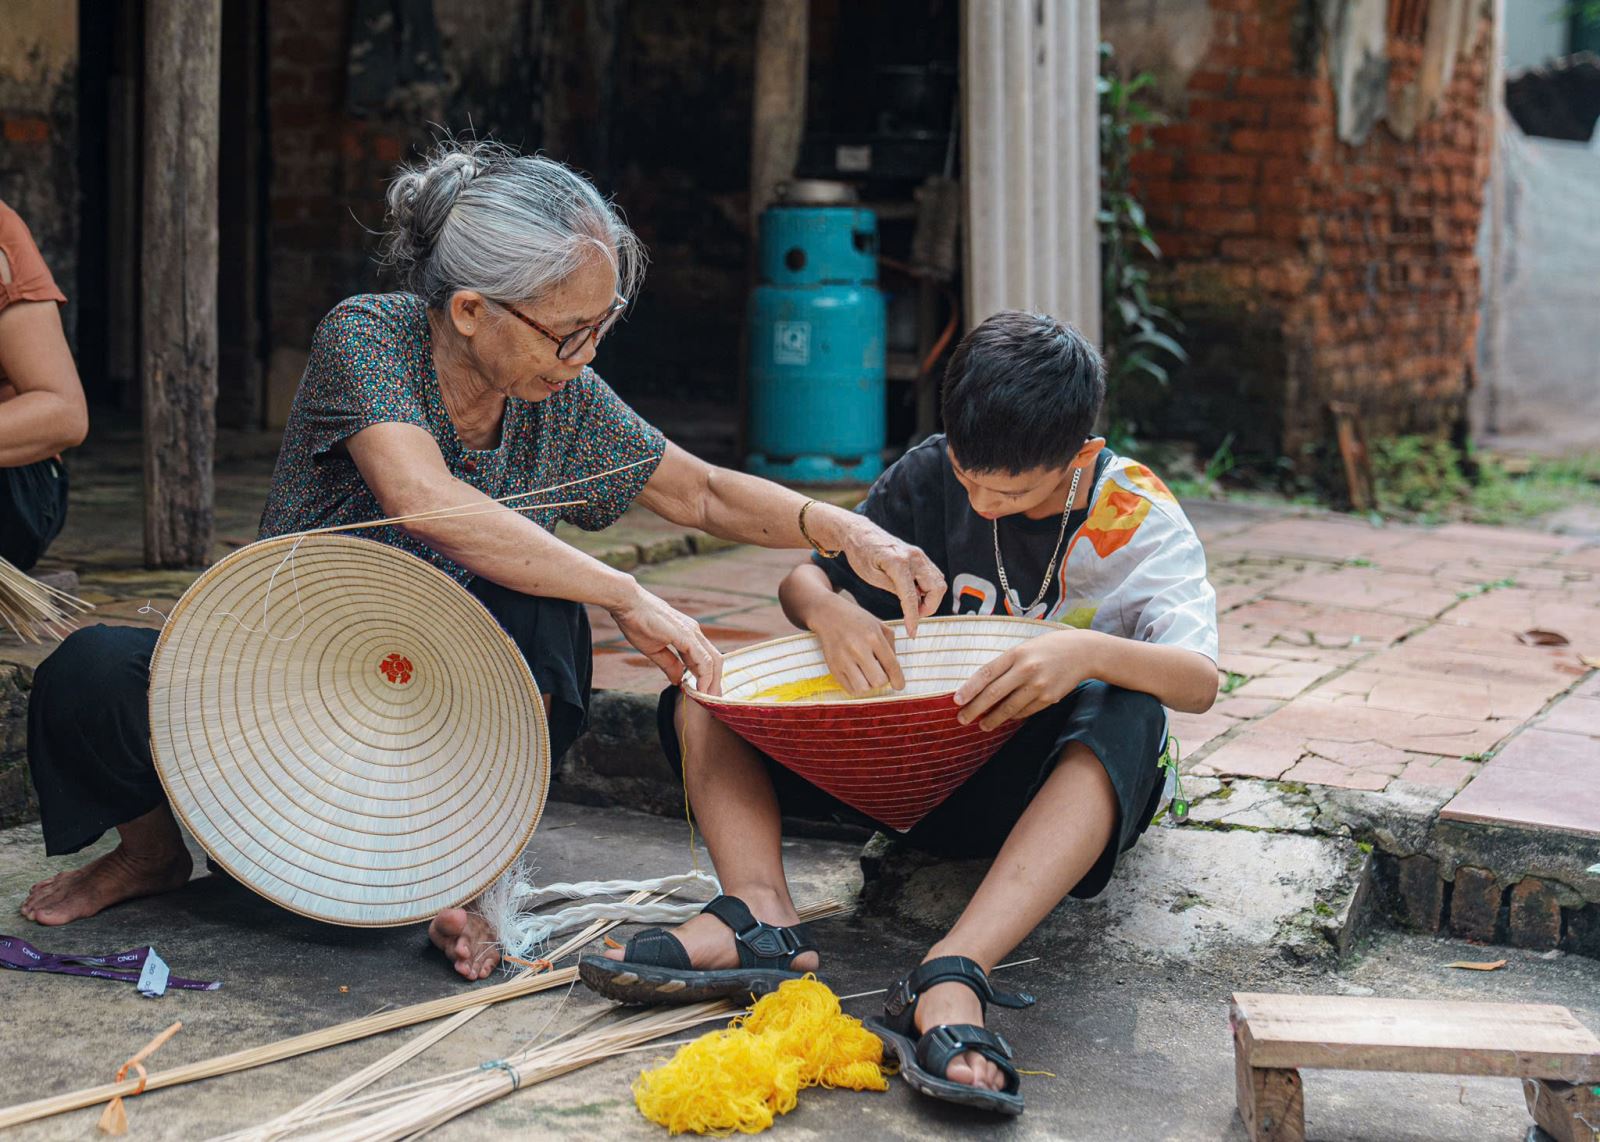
column 815, row 546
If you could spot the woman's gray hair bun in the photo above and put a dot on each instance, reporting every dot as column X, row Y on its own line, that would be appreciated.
column 477, row 215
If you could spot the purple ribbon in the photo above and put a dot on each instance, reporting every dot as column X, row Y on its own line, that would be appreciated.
column 140, row 966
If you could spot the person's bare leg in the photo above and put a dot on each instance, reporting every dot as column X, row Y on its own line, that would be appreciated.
column 151, row 859
column 738, row 815
column 1055, row 842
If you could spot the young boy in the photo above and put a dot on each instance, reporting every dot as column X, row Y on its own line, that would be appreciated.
column 1026, row 514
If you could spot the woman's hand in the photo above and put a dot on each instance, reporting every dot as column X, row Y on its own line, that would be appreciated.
column 858, row 648
column 670, row 639
column 892, row 565
column 1028, row 678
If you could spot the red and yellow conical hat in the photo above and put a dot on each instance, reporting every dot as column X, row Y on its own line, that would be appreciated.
column 894, row 757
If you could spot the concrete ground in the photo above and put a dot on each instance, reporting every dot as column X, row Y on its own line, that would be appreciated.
column 1375, row 681
column 1131, row 1023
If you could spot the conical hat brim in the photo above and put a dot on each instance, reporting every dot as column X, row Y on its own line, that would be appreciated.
column 347, row 731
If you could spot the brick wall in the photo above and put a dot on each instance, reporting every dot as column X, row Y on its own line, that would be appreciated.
column 329, row 167
column 1308, row 269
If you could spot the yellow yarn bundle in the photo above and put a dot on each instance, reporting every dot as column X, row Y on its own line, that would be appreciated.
column 741, row 1077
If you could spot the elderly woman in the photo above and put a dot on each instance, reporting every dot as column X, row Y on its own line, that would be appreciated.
column 42, row 410
column 473, row 385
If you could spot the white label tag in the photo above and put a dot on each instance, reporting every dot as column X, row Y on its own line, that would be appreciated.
column 153, row 977
column 791, row 342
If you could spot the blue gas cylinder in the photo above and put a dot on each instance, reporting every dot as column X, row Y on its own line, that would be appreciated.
column 817, row 327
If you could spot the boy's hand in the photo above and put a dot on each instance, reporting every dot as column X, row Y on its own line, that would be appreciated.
column 858, row 648
column 1028, row 678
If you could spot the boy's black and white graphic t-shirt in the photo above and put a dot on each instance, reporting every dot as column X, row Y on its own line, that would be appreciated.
column 1133, row 565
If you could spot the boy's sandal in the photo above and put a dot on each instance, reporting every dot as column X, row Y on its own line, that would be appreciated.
column 655, row 967
column 925, row 1061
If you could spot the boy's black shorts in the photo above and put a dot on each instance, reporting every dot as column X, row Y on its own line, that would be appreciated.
column 1125, row 729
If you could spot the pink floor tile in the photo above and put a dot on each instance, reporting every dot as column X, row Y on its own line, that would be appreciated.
column 698, row 602
column 1304, row 719
column 741, row 628
column 1584, row 559
column 1370, row 588
column 1506, row 537
column 1254, row 755
column 1516, row 610
column 1315, row 771
column 1324, row 536
column 1556, row 755
column 623, row 668
column 1574, row 715
column 1246, row 663
column 1244, row 708
column 1362, row 755
column 1309, row 624
column 1453, row 697
column 1281, row 682
column 1507, row 797
column 1195, row 731
column 721, row 572
column 1443, row 773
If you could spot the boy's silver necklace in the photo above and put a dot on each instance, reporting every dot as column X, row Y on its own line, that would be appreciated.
column 1049, row 571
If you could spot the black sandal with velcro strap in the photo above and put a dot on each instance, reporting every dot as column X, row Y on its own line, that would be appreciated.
column 655, row 967
column 925, row 1061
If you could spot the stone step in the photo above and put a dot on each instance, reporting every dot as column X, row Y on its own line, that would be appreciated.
column 1181, row 893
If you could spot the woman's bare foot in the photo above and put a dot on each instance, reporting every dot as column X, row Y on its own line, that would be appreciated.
column 710, row 942
column 119, row 875
column 466, row 939
column 957, row 1003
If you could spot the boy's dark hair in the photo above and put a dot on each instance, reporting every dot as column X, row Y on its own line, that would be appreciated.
column 1022, row 392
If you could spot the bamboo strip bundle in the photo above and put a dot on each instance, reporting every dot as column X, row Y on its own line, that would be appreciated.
column 33, row 609
column 335, row 1101
column 289, row 1048
column 347, row 1088
column 425, row 1110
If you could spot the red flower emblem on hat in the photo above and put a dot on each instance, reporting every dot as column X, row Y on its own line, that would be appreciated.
column 396, row 668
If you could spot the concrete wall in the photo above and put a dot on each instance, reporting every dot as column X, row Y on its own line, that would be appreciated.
column 39, row 127
column 1309, row 268
column 1536, row 32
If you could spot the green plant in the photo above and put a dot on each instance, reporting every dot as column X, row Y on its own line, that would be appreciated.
column 1138, row 333
column 1418, row 475
column 1427, row 477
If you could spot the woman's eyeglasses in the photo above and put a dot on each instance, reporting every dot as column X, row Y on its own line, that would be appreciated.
column 572, row 344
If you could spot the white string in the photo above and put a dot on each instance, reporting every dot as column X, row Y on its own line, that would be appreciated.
column 531, row 932
column 532, row 895
column 149, row 609
column 299, row 537
column 266, row 600
column 510, row 905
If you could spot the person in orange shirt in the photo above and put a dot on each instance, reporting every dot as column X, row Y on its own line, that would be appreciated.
column 42, row 409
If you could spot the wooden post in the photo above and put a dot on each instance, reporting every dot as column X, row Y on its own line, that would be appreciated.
column 178, row 278
column 779, row 112
column 1566, row 1112
column 777, row 120
column 1272, row 1102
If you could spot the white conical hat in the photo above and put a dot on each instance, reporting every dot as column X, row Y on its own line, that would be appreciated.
column 346, row 730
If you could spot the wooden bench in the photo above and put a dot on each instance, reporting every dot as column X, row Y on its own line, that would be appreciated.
column 1556, row 1057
